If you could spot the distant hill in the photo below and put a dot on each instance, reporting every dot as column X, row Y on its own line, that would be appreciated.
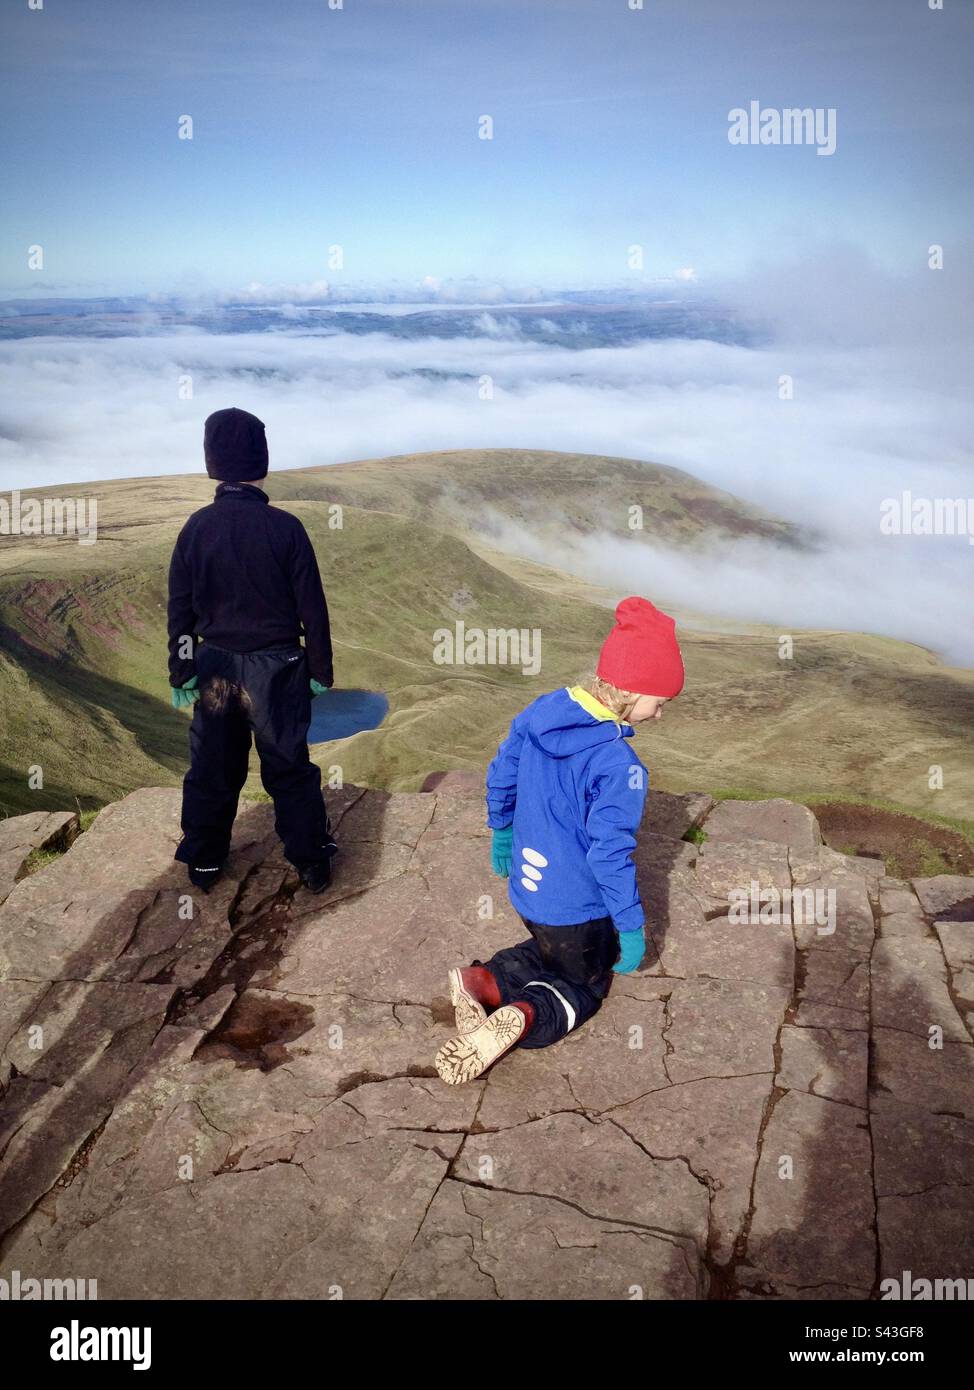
column 543, row 490
column 567, row 323
column 83, row 682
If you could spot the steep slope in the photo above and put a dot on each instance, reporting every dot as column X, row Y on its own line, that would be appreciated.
column 460, row 490
column 84, row 693
column 557, row 496
column 83, row 678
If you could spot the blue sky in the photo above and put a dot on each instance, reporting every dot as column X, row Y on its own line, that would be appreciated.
column 359, row 127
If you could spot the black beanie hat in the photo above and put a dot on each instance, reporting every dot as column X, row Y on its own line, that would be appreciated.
column 234, row 446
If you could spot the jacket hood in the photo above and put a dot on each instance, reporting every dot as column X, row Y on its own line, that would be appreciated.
column 562, row 725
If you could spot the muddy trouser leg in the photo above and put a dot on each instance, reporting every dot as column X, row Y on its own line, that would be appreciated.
column 277, row 684
column 563, row 972
column 219, row 751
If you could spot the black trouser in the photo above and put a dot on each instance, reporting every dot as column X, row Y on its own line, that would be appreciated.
column 267, row 694
column 563, row 972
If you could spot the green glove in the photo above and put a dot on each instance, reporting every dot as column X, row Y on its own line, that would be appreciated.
column 186, row 695
column 317, row 688
column 502, row 851
column 633, row 947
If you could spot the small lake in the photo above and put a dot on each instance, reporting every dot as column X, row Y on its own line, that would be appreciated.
column 341, row 713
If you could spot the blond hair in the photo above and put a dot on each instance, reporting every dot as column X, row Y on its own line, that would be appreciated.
column 620, row 702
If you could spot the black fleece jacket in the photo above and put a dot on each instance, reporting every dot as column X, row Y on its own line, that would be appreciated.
column 244, row 576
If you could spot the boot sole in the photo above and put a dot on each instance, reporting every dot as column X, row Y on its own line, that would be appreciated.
column 469, row 1013
column 468, row 1056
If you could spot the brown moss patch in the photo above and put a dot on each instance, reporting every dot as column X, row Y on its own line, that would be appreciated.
column 909, row 846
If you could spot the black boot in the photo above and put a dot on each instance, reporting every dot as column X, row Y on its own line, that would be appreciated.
column 316, row 877
column 202, row 877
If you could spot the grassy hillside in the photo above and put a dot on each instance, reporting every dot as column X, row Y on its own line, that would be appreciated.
column 851, row 715
column 472, row 490
column 83, row 676
column 84, row 692
column 462, row 491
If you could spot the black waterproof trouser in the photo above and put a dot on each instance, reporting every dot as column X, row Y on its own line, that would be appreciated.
column 264, row 694
column 563, row 972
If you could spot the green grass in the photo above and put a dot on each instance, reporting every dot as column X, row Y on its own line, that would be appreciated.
column 84, row 689
column 740, row 794
column 39, row 859
column 900, row 865
column 88, row 691
column 931, row 863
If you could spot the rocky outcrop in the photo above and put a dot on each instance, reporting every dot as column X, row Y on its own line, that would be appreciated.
column 769, row 1108
column 22, row 836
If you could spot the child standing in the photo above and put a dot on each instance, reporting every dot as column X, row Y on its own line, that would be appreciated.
column 244, row 578
column 565, row 796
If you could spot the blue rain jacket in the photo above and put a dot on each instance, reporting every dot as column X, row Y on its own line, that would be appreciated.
column 575, row 791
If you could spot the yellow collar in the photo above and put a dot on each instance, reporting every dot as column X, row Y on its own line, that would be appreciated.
column 588, row 702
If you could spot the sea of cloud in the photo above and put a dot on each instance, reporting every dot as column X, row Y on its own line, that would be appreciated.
column 879, row 405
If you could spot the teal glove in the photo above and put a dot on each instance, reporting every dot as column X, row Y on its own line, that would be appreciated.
column 633, row 947
column 502, row 851
column 317, row 688
column 186, row 695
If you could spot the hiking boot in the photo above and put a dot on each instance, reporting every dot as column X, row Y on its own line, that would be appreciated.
column 202, row 877
column 316, row 877
column 468, row 1056
column 473, row 990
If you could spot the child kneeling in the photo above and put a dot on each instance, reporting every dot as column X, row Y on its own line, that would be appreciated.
column 565, row 796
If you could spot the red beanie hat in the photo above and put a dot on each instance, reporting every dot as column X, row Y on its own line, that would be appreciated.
column 641, row 652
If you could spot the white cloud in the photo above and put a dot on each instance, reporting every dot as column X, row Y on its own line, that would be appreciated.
column 886, row 585
column 881, row 404
column 310, row 291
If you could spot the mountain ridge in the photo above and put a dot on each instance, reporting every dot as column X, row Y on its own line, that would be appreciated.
column 82, row 644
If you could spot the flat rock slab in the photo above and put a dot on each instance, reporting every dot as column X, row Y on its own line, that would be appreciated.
column 675, row 814
column 478, row 1244
column 829, row 1062
column 911, row 988
column 814, row 1203
column 20, row 836
column 781, row 822
column 712, row 1125
column 949, row 897
column 957, row 943
column 458, row 781
column 773, row 1107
